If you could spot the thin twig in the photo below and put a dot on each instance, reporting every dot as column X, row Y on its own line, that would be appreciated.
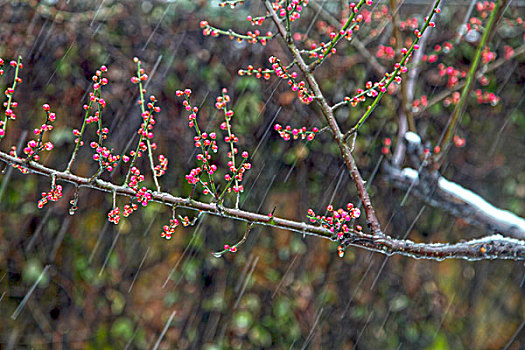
column 370, row 58
column 469, row 84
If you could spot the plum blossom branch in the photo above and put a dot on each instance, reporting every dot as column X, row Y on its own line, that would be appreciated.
column 486, row 248
column 10, row 104
column 328, row 114
column 400, row 67
column 458, row 110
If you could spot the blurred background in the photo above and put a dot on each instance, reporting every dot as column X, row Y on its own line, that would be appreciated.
column 78, row 281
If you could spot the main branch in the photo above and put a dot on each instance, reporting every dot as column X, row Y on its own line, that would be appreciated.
column 493, row 247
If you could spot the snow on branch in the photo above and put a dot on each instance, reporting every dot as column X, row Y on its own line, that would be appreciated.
column 460, row 202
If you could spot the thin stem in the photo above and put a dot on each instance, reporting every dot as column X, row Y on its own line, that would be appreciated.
column 380, row 70
column 469, row 83
column 205, row 164
column 288, row 31
column 142, row 135
column 404, row 89
column 78, row 140
column 10, row 98
column 231, row 142
column 338, row 36
column 214, row 31
column 394, row 74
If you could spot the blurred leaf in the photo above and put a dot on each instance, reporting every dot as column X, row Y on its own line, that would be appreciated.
column 122, row 328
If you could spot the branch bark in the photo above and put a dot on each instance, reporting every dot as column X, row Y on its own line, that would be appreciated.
column 492, row 247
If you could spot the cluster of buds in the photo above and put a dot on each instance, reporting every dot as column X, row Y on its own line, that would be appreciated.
column 340, row 251
column 161, row 168
column 305, row 96
column 236, row 172
column 95, row 99
column 149, row 108
column 114, row 215
column 106, row 159
column 35, row 146
column 97, row 103
column 352, row 25
column 252, row 37
column 453, row 99
column 432, row 57
column 508, row 52
column 387, row 143
column 487, row 56
column 409, row 24
column 337, row 221
column 229, row 248
column 418, row 103
column 256, row 21
column 186, row 221
column 376, row 90
column 78, row 135
column 142, row 76
column 287, row 133
column 205, row 142
column 129, row 209
column 145, row 132
column 194, row 176
column 486, row 97
column 53, row 195
column 452, row 74
column 136, row 178
column 168, row 230
column 319, row 50
column 12, row 152
column 258, row 73
column 372, row 89
column 143, row 196
column 94, row 96
column 10, row 104
column 187, row 105
column 459, row 141
column 145, row 144
column 148, row 120
column 292, row 9
column 386, row 52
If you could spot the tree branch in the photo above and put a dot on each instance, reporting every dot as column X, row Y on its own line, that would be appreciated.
column 328, row 114
column 458, row 201
column 492, row 247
